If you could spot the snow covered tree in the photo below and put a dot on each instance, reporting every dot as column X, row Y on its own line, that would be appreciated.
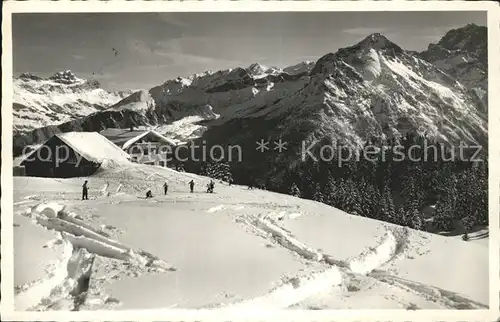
column 294, row 190
column 387, row 208
column 447, row 204
column 218, row 170
column 350, row 198
column 472, row 189
column 414, row 219
column 331, row 194
column 318, row 195
column 370, row 197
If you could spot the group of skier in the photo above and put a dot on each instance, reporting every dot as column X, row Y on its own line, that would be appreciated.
column 210, row 188
column 149, row 194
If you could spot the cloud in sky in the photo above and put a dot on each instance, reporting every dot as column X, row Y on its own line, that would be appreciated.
column 171, row 19
column 364, row 31
column 172, row 53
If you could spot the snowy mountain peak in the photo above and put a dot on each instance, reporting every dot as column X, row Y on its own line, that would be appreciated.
column 273, row 71
column 65, row 77
column 256, row 69
column 364, row 56
column 30, row 76
column 59, row 98
column 377, row 41
column 302, row 67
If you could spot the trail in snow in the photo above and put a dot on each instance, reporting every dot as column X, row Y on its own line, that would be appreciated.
column 337, row 275
column 436, row 294
column 283, row 238
column 34, row 294
column 224, row 207
column 383, row 253
column 66, row 287
column 298, row 289
column 294, row 291
column 65, row 290
column 71, row 292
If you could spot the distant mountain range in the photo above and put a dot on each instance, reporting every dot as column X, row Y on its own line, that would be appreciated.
column 39, row 102
column 373, row 89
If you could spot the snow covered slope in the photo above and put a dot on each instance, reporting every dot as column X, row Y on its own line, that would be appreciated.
column 236, row 248
column 62, row 97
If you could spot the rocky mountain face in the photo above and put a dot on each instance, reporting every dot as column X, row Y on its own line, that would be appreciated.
column 39, row 102
column 373, row 90
column 463, row 54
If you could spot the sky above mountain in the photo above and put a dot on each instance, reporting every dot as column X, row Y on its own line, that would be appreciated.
column 141, row 50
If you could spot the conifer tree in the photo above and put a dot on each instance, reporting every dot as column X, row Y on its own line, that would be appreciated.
column 318, row 195
column 332, row 193
column 387, row 208
column 294, row 191
column 447, row 204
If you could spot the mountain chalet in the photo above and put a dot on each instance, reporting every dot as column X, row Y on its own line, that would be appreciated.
column 77, row 154
column 144, row 146
column 72, row 154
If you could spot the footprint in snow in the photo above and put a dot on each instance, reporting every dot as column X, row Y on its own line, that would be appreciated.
column 109, row 227
column 112, row 300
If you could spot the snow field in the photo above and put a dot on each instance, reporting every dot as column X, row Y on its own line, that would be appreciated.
column 242, row 248
column 82, row 243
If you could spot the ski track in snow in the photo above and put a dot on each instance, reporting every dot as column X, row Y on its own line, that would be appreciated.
column 447, row 298
column 39, row 290
column 224, row 207
column 338, row 273
column 365, row 264
column 294, row 291
column 67, row 284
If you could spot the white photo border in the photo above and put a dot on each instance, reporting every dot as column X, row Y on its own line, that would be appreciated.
column 7, row 260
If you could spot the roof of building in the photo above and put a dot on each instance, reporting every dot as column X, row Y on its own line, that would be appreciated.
column 124, row 138
column 120, row 136
column 92, row 146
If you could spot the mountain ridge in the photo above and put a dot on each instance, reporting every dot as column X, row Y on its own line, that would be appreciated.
column 373, row 83
column 56, row 99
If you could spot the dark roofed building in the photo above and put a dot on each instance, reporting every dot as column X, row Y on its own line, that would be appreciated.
column 72, row 154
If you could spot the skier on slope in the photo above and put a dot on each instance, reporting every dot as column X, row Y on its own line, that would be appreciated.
column 149, row 194
column 85, row 191
column 463, row 223
column 191, row 185
column 210, row 187
column 165, row 187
